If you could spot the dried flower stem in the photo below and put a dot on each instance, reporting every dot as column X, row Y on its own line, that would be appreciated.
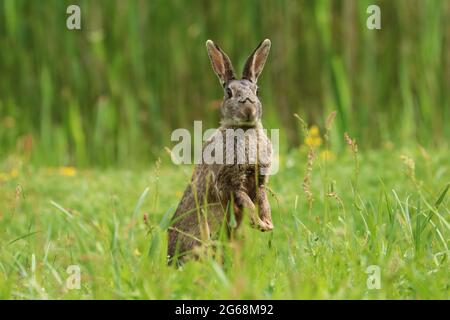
column 307, row 178
column 410, row 169
column 354, row 148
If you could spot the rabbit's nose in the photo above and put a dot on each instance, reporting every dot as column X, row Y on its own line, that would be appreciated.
column 245, row 100
column 249, row 113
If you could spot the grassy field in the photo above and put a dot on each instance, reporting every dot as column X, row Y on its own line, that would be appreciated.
column 386, row 208
column 86, row 116
column 112, row 92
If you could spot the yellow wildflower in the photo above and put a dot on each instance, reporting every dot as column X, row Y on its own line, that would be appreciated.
column 317, row 141
column 314, row 131
column 14, row 173
column 5, row 176
column 67, row 171
column 136, row 252
column 313, row 141
column 309, row 141
column 327, row 155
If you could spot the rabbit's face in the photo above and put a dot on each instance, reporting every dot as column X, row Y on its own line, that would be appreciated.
column 241, row 105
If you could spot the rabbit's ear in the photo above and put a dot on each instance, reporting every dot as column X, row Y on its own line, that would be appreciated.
column 220, row 62
column 255, row 63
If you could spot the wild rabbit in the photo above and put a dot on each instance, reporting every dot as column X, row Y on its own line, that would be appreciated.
column 219, row 189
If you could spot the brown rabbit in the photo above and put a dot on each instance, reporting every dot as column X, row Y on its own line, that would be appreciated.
column 219, row 189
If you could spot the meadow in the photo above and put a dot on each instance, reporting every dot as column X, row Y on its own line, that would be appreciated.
column 86, row 183
column 333, row 218
column 112, row 93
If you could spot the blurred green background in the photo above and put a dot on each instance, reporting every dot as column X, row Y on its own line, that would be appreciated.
column 111, row 93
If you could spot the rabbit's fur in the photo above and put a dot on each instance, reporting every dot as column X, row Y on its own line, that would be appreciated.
column 217, row 191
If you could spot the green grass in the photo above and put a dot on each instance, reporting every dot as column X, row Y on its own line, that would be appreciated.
column 397, row 218
column 113, row 92
column 107, row 97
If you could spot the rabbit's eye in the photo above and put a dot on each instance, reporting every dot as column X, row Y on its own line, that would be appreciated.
column 229, row 93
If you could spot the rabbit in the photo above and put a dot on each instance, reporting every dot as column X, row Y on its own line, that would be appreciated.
column 218, row 190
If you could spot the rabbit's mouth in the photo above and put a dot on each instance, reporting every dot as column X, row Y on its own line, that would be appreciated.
column 249, row 124
column 239, row 123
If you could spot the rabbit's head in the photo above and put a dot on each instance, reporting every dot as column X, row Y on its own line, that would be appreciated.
column 241, row 106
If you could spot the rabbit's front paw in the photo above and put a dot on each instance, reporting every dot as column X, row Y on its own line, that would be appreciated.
column 257, row 223
column 269, row 224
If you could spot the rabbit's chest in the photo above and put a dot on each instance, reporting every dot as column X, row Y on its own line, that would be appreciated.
column 250, row 181
column 250, row 149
